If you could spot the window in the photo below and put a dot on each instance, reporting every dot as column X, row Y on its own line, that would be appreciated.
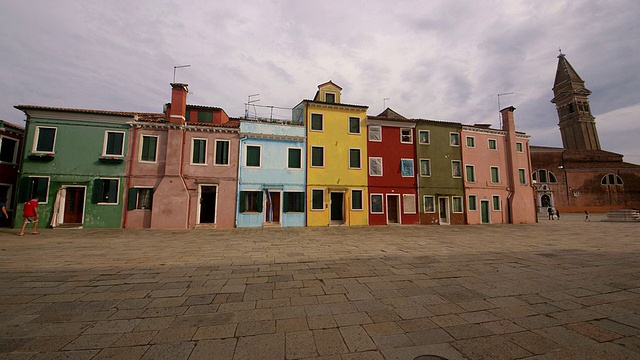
column 456, row 168
column 454, row 139
column 253, row 156
column 473, row 203
column 148, row 150
column 408, row 203
column 495, row 175
column 534, row 175
column 552, row 178
column 8, row 150
column 457, row 204
column 105, row 191
column 354, row 125
column 317, row 199
column 35, row 186
column 493, row 144
column 471, row 142
column 140, row 198
column 543, row 176
column 251, row 201
column 523, row 176
column 330, row 98
column 45, row 139
column 406, row 167
column 375, row 166
column 222, row 152
column 424, row 137
column 317, row 156
column 519, row 147
column 199, row 151
column 316, row 122
column 356, row 199
column 354, row 159
column 471, row 173
column 429, row 204
column 376, row 204
column 406, row 136
column 293, row 201
column 294, row 158
column 113, row 143
column 425, row 167
column 205, row 116
column 611, row 179
column 375, row 133
column 496, row 202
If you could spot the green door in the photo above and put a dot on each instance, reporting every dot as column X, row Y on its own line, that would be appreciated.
column 484, row 210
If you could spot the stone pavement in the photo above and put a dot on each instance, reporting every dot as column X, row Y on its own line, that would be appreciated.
column 549, row 291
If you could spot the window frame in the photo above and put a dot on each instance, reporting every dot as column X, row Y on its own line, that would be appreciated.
column 373, row 158
column 494, row 142
column 371, row 203
column 155, row 151
column 466, row 173
column 496, row 170
column 246, row 155
column 15, row 151
column 312, row 200
column 321, row 122
column 361, row 191
column 351, row 118
column 413, row 168
column 215, row 152
column 351, row 152
column 474, row 202
column 323, row 159
column 36, row 139
column 258, row 202
column 117, row 194
column 31, row 194
column 409, row 199
column 326, row 97
column 420, row 132
column 193, row 148
column 410, row 136
column 106, row 142
column 433, row 204
column 428, row 161
column 299, row 204
column 453, row 175
column 473, row 142
column 522, row 176
column 452, row 136
column 494, row 203
column 378, row 130
column 289, row 149
column 519, row 147
column 137, row 205
column 453, row 205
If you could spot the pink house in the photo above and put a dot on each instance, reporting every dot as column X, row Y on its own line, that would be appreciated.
column 497, row 181
column 183, row 167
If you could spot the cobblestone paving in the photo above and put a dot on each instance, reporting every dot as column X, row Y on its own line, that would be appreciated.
column 554, row 290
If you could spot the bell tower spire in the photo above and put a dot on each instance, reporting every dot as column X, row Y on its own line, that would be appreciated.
column 577, row 125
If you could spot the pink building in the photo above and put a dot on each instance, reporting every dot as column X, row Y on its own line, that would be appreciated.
column 183, row 167
column 497, row 181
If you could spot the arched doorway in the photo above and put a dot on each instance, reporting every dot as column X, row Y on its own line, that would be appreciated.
column 545, row 201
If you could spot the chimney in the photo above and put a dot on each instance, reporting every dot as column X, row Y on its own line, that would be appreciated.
column 178, row 107
column 508, row 124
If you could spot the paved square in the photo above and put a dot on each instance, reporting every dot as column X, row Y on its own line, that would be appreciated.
column 549, row 291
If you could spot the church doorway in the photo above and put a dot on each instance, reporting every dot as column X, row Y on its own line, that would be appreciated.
column 545, row 201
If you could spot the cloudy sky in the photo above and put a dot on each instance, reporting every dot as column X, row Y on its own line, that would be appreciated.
column 441, row 60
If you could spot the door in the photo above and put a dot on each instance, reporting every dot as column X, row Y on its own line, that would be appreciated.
column 393, row 216
column 272, row 213
column 5, row 197
column 208, row 196
column 484, row 212
column 443, row 210
column 73, row 205
column 337, row 207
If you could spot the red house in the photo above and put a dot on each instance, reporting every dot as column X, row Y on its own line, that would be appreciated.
column 10, row 146
column 392, row 170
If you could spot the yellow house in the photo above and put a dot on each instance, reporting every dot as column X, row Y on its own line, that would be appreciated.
column 336, row 158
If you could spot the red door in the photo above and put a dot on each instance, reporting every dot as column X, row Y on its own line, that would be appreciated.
column 73, row 205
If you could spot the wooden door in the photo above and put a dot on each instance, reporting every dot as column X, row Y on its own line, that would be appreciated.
column 392, row 209
column 73, row 205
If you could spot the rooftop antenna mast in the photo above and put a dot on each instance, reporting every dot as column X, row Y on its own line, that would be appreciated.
column 499, row 115
column 177, row 67
column 249, row 102
column 384, row 103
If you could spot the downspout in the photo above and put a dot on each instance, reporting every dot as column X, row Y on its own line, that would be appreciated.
column 184, row 182
column 125, row 207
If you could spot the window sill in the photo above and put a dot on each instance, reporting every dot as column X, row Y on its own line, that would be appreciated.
column 41, row 156
column 111, row 159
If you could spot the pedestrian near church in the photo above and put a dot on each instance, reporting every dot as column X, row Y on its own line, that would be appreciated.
column 551, row 212
column 586, row 216
column 557, row 214
column 30, row 214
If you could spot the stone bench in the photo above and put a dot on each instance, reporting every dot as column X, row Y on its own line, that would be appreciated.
column 623, row 215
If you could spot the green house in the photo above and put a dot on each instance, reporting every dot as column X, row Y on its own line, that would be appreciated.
column 75, row 162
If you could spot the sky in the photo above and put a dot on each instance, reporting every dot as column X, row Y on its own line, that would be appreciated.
column 440, row 60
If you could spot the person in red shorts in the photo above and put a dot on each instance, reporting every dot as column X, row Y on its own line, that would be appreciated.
column 30, row 214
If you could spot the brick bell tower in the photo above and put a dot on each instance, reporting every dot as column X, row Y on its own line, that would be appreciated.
column 577, row 125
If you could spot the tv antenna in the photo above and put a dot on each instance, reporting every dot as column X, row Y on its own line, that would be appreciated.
column 384, row 103
column 499, row 115
column 249, row 102
column 178, row 67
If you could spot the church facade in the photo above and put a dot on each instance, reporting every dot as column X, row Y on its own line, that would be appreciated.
column 580, row 176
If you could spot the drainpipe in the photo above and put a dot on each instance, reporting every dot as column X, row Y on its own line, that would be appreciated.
column 125, row 207
column 181, row 174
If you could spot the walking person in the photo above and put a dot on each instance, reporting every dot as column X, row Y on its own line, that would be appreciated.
column 557, row 214
column 551, row 212
column 30, row 214
column 3, row 208
column 586, row 216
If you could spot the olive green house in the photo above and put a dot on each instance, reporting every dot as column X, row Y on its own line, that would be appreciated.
column 439, row 164
column 75, row 161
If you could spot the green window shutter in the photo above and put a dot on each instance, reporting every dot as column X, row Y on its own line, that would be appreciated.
column 98, row 186
column 149, row 146
column 41, row 188
column 242, row 205
column 114, row 143
column 222, row 152
column 259, row 200
column 294, row 159
column 253, row 156
column 46, row 137
column 301, row 202
column 113, row 191
column 25, row 189
column 285, row 202
column 205, row 116
column 133, row 197
column 199, row 149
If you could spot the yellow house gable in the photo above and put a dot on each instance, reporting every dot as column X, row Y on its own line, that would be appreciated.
column 328, row 92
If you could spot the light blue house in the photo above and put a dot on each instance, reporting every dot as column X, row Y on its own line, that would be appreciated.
column 271, row 174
